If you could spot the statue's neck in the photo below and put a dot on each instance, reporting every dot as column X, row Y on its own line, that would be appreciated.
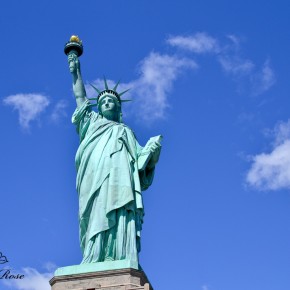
column 111, row 116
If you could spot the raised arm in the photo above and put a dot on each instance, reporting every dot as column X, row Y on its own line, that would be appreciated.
column 78, row 85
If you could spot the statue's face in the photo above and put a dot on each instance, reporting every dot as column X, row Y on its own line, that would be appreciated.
column 108, row 104
column 109, row 108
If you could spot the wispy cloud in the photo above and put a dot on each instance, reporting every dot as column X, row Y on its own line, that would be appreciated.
column 264, row 79
column 281, row 132
column 200, row 42
column 228, row 53
column 59, row 110
column 158, row 72
column 150, row 91
column 33, row 280
column 204, row 287
column 50, row 267
column 244, row 70
column 234, row 40
column 29, row 107
column 236, row 65
column 271, row 171
column 157, row 75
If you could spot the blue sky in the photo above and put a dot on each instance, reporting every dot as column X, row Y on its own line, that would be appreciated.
column 213, row 77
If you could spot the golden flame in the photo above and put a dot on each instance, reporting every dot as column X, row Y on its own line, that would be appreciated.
column 74, row 38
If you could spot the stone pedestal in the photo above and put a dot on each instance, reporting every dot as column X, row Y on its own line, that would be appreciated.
column 118, row 279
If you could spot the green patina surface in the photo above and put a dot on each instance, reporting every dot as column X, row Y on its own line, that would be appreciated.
column 112, row 171
column 97, row 267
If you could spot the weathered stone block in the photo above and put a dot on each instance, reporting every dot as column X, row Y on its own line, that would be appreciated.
column 120, row 279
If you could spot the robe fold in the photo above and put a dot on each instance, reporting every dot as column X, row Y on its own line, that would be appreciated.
column 109, row 185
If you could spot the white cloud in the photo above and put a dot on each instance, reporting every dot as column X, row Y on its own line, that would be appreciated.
column 29, row 106
column 198, row 43
column 264, row 79
column 245, row 70
column 235, row 40
column 281, row 132
column 271, row 171
column 59, row 110
column 259, row 80
column 50, row 266
column 33, row 280
column 150, row 91
column 229, row 56
column 236, row 65
column 157, row 74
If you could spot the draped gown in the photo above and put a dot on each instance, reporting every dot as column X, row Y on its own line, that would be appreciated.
column 109, row 186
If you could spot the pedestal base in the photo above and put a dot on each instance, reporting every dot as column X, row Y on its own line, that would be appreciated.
column 120, row 279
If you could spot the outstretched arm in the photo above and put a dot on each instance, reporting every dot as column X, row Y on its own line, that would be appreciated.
column 78, row 85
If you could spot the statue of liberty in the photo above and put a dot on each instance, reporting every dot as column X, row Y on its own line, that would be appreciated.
column 112, row 171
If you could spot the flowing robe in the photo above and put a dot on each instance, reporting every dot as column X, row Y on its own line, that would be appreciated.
column 109, row 185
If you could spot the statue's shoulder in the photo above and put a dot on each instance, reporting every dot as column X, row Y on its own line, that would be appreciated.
column 125, row 126
column 94, row 115
column 129, row 130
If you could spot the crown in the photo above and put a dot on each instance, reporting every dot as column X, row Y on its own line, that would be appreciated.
column 107, row 91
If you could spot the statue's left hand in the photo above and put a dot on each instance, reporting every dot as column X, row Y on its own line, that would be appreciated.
column 155, row 149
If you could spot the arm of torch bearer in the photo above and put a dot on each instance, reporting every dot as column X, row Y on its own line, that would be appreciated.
column 74, row 49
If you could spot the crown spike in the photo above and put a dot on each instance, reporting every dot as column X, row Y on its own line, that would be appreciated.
column 122, row 101
column 106, row 84
column 116, row 85
column 123, row 92
column 97, row 90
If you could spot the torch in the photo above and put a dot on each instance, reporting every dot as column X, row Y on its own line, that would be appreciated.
column 74, row 45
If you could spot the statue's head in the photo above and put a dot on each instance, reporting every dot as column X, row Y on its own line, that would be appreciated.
column 109, row 102
column 110, row 107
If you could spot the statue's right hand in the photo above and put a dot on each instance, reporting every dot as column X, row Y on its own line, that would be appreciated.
column 74, row 64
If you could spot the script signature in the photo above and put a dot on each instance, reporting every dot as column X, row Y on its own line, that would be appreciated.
column 3, row 259
column 7, row 273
